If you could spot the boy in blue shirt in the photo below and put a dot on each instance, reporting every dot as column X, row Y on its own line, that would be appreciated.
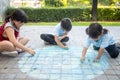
column 59, row 35
column 101, row 39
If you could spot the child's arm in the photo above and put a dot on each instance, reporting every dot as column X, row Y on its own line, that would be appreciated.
column 62, row 37
column 83, row 53
column 10, row 34
column 100, row 52
column 59, row 42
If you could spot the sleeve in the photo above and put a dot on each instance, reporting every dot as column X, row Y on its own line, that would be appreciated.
column 8, row 25
column 88, row 42
column 105, row 42
column 56, row 30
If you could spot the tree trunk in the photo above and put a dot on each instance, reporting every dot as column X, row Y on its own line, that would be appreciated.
column 3, row 6
column 94, row 10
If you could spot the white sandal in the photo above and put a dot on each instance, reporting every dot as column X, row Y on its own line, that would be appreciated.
column 10, row 53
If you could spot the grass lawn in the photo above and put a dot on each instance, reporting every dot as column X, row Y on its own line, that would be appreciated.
column 74, row 23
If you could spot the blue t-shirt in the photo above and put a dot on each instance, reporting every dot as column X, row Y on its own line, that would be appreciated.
column 104, row 41
column 58, row 30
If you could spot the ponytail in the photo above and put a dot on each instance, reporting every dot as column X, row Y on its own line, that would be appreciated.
column 7, row 18
column 105, row 31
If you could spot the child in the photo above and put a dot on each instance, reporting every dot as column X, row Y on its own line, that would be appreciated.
column 10, row 41
column 59, row 35
column 101, row 39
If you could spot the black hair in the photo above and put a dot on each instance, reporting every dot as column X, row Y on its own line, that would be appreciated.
column 66, row 24
column 105, row 31
column 18, row 15
column 87, row 31
column 95, row 29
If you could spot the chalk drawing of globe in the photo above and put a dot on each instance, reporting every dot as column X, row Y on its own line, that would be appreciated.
column 54, row 63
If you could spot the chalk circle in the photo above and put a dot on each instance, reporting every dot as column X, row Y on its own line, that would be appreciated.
column 55, row 63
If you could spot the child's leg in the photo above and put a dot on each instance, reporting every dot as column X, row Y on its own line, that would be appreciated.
column 112, row 50
column 65, row 39
column 48, row 38
column 118, row 46
column 8, row 48
column 22, row 40
column 96, row 48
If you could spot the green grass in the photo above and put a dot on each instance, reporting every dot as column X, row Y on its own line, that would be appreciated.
column 42, row 23
column 74, row 23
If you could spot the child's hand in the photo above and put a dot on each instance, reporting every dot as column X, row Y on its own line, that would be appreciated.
column 32, row 52
column 96, row 60
column 82, row 59
column 66, row 48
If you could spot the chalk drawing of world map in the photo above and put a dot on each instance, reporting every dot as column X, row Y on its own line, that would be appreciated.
column 55, row 63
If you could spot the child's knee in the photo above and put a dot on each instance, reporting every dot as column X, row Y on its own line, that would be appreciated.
column 67, row 38
column 114, row 55
column 7, row 43
column 96, row 48
column 42, row 36
column 26, row 39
